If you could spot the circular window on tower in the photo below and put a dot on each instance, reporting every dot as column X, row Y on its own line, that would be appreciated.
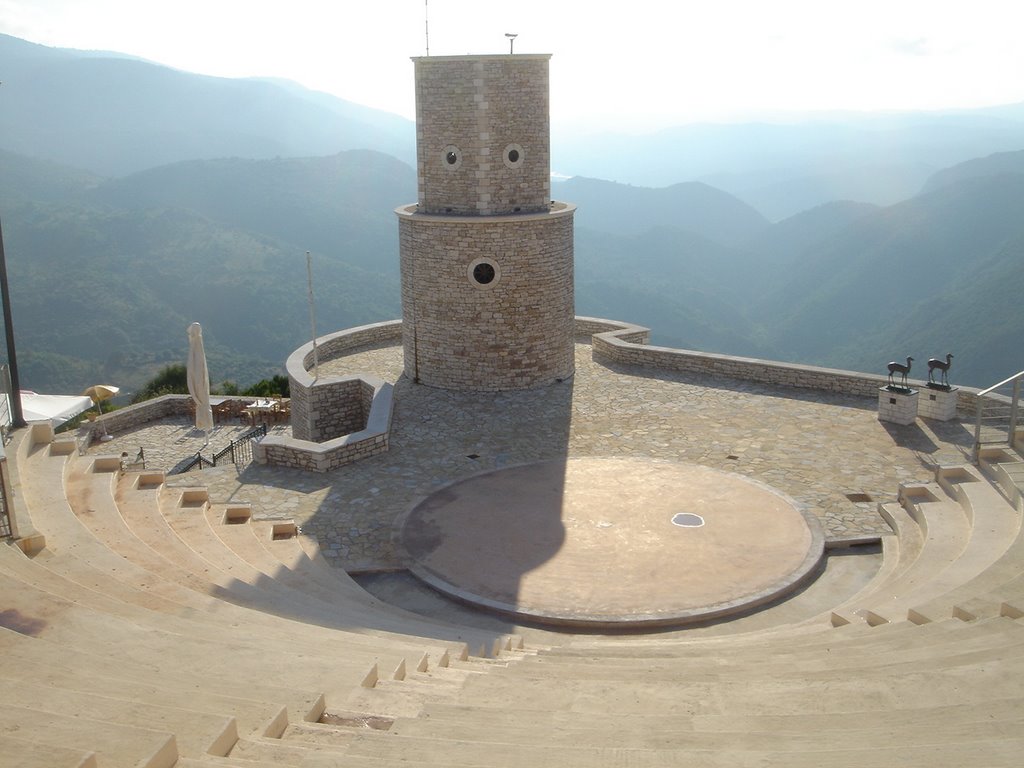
column 483, row 273
column 451, row 157
column 513, row 156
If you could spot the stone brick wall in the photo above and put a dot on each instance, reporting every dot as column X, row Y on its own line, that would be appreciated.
column 133, row 417
column 515, row 332
column 330, row 409
column 617, row 346
column 367, row 394
column 482, row 134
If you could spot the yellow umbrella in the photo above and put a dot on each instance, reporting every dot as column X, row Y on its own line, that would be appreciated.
column 101, row 392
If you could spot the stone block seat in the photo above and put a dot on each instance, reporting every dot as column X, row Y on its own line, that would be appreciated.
column 157, row 628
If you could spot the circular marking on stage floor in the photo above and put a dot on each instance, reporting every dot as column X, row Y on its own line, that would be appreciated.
column 595, row 542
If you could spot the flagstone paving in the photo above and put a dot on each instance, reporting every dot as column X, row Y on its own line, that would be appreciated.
column 816, row 447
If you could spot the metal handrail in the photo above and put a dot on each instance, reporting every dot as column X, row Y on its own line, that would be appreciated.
column 1004, row 382
column 200, row 461
column 1009, row 410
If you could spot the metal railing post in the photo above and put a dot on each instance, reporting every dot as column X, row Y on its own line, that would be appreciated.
column 1014, row 405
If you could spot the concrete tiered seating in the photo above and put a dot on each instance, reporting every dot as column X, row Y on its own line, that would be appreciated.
column 186, row 655
column 961, row 529
column 158, row 629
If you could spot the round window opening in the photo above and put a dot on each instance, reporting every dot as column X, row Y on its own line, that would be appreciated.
column 451, row 157
column 513, row 156
column 687, row 520
column 484, row 273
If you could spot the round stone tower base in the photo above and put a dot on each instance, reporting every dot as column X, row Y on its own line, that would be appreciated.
column 612, row 543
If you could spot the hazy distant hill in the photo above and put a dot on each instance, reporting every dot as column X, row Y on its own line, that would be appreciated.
column 785, row 167
column 997, row 164
column 920, row 269
column 105, row 280
column 341, row 206
column 114, row 115
column 627, row 210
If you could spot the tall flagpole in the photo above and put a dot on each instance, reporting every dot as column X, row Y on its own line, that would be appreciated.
column 312, row 315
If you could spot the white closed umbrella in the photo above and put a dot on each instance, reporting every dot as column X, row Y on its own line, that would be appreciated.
column 199, row 379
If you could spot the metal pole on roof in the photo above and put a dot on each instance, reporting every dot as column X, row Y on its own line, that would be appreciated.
column 17, row 417
column 312, row 315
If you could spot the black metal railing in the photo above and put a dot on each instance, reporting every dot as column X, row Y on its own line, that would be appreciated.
column 6, row 530
column 239, row 450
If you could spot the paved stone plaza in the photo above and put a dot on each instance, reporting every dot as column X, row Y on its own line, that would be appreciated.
column 818, row 448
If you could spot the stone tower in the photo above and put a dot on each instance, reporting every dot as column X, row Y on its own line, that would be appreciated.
column 486, row 255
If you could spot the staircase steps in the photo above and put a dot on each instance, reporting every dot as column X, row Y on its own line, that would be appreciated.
column 945, row 532
column 980, row 594
column 1006, row 467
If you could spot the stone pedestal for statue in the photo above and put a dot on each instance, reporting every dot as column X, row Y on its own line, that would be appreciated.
column 938, row 403
column 897, row 405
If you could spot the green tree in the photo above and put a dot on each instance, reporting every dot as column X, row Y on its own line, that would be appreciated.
column 171, row 380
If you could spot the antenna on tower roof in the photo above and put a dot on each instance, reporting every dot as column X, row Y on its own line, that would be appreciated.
column 511, row 39
column 426, row 22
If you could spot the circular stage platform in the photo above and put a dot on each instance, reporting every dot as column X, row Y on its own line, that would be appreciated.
column 612, row 542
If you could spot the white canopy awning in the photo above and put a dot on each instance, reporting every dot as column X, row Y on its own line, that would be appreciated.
column 55, row 408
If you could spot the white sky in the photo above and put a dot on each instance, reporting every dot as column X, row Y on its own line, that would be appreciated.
column 642, row 64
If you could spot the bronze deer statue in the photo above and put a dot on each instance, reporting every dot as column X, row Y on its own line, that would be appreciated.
column 902, row 369
column 935, row 364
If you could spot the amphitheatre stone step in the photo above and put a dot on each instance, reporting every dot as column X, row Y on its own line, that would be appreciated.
column 64, row 622
column 1006, row 468
column 899, row 550
column 946, row 532
column 196, row 732
column 282, row 596
column 94, row 484
column 844, row 574
column 283, row 591
column 281, row 556
column 450, row 718
column 278, row 752
column 867, row 643
column 116, row 745
column 993, row 678
column 663, row 735
column 36, row 659
column 252, row 716
column 251, row 542
column 823, row 667
column 19, row 753
column 269, row 642
column 982, row 593
column 805, row 637
column 570, row 751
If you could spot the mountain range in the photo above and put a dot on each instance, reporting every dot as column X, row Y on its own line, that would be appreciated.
column 121, row 228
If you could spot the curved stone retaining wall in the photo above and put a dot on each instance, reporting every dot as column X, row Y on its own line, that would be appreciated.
column 335, row 419
column 625, row 343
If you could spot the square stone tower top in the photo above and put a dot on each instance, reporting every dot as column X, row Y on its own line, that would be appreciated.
column 483, row 134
